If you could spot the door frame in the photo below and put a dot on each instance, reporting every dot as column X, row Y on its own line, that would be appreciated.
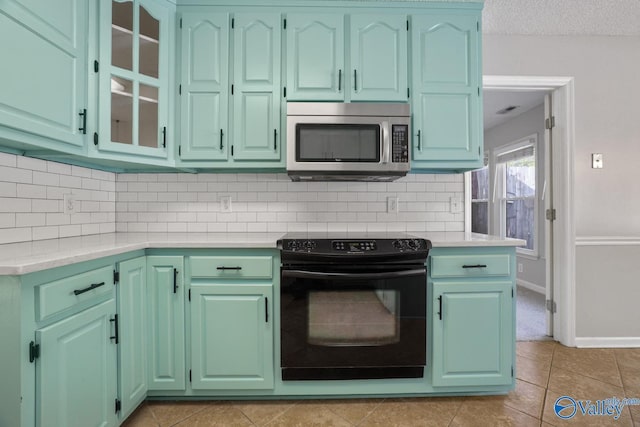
column 563, row 262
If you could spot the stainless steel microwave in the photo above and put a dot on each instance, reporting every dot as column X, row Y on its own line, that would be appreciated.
column 330, row 141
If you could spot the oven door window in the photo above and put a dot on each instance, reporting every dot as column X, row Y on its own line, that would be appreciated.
column 318, row 142
column 353, row 318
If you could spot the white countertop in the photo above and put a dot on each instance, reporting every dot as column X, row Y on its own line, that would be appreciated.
column 23, row 258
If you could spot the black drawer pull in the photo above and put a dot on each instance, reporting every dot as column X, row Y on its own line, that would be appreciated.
column 221, row 136
column 175, row 280
column 475, row 266
column 229, row 268
column 440, row 307
column 90, row 288
column 266, row 310
column 115, row 336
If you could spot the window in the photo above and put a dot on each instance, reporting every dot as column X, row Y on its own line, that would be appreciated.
column 516, row 192
column 480, row 200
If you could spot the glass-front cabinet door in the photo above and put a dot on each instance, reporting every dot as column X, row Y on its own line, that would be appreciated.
column 134, row 78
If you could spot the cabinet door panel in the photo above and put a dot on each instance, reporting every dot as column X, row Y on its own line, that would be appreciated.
column 133, row 333
column 473, row 342
column 379, row 57
column 256, row 117
column 232, row 337
column 447, row 97
column 205, row 56
column 44, row 91
column 166, row 323
column 76, row 373
column 315, row 53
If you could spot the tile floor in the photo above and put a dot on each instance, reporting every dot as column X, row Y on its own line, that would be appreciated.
column 545, row 371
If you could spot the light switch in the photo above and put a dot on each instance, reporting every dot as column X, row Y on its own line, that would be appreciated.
column 596, row 160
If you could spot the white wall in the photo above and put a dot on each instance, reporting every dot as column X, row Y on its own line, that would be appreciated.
column 528, row 123
column 607, row 87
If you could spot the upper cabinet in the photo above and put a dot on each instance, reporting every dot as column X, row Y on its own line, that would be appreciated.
column 134, row 78
column 447, row 126
column 43, row 76
column 321, row 66
column 230, row 90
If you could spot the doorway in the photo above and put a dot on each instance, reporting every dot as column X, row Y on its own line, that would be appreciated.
column 552, row 98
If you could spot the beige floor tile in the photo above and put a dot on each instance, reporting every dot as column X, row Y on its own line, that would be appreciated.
column 262, row 412
column 581, row 387
column 533, row 371
column 629, row 365
column 309, row 414
column 220, row 416
column 634, row 393
column 538, row 350
column 141, row 417
column 475, row 413
column 169, row 413
column 578, row 419
column 527, row 398
column 425, row 412
column 353, row 410
column 597, row 363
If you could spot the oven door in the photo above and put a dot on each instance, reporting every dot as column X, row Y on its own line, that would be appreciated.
column 346, row 322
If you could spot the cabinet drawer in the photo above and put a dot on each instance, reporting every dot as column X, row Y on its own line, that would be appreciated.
column 232, row 267
column 54, row 297
column 470, row 265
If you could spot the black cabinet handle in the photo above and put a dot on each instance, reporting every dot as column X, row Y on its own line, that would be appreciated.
column 266, row 310
column 229, row 268
column 419, row 142
column 115, row 335
column 164, row 136
column 175, row 280
column 221, row 135
column 355, row 80
column 440, row 307
column 275, row 139
column 90, row 288
column 474, row 266
column 339, row 80
column 83, row 128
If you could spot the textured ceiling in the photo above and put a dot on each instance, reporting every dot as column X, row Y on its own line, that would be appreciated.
column 562, row 17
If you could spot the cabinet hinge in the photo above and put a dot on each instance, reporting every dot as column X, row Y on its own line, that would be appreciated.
column 551, row 214
column 34, row 351
column 179, row 89
column 284, row 92
column 96, row 66
column 551, row 306
column 95, row 138
column 118, row 405
column 189, row 375
column 284, row 24
column 180, row 22
column 179, row 150
column 116, row 277
column 550, row 122
column 233, row 22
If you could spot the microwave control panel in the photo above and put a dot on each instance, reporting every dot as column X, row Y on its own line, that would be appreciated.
column 400, row 143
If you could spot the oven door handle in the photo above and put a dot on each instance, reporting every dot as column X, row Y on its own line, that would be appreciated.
column 306, row 274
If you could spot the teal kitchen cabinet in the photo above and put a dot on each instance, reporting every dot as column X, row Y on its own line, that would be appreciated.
column 323, row 66
column 232, row 317
column 204, row 91
column 473, row 316
column 166, row 330
column 446, row 99
column 134, row 79
column 315, row 57
column 378, row 56
column 231, row 90
column 43, row 77
column 132, row 322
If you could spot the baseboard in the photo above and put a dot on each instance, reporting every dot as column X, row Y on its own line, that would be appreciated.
column 607, row 342
column 531, row 286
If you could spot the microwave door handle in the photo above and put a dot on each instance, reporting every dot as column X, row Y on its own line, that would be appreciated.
column 386, row 143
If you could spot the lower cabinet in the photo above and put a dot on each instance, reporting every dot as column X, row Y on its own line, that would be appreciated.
column 232, row 336
column 76, row 371
column 472, row 316
column 166, row 330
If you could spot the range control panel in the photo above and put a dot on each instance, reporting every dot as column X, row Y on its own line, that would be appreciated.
column 400, row 143
column 354, row 245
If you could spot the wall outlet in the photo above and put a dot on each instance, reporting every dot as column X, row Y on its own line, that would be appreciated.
column 69, row 204
column 520, row 267
column 392, row 204
column 597, row 160
column 455, row 204
column 225, row 203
